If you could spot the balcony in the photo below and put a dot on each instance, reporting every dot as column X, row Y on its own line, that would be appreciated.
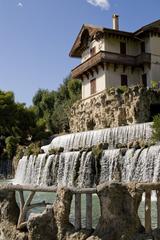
column 110, row 57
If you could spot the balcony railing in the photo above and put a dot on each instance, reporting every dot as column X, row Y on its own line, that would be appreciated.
column 110, row 57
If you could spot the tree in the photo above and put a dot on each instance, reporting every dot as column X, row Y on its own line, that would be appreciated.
column 53, row 107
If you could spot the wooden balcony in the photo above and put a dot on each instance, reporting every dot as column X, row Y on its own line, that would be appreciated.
column 110, row 57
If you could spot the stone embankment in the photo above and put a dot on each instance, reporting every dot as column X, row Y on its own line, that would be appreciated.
column 114, row 108
column 118, row 221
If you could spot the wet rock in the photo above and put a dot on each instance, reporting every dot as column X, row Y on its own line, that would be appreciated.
column 119, row 218
column 42, row 226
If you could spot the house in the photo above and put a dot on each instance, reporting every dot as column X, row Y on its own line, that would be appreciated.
column 113, row 58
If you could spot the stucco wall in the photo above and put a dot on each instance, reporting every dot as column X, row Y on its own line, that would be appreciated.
column 99, row 46
column 100, row 83
column 113, row 45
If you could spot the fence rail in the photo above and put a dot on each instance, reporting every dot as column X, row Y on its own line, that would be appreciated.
column 26, row 204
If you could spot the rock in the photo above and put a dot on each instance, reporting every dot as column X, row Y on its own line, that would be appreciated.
column 8, row 231
column 9, row 210
column 42, row 226
column 119, row 218
column 111, row 108
column 80, row 235
column 62, row 208
column 9, row 213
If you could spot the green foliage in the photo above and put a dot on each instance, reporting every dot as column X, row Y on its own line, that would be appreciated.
column 33, row 149
column 97, row 151
column 122, row 89
column 154, row 84
column 156, row 128
column 11, row 145
column 54, row 151
column 52, row 108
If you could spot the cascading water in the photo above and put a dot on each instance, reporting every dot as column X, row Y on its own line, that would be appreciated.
column 81, row 168
column 112, row 136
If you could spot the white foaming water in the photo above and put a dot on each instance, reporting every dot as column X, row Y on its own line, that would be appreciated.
column 82, row 169
column 112, row 136
column 79, row 169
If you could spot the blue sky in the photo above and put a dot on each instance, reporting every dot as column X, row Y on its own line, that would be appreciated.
column 37, row 35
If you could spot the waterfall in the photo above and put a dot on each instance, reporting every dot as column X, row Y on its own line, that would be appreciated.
column 112, row 136
column 80, row 168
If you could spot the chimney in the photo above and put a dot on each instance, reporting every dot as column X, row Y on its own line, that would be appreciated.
column 115, row 19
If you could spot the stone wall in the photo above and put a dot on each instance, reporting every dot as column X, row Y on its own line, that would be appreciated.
column 113, row 108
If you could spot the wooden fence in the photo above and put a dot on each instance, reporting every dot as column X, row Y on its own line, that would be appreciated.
column 26, row 205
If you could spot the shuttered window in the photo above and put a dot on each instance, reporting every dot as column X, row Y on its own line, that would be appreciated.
column 143, row 47
column 124, row 80
column 93, row 86
column 122, row 48
column 144, row 80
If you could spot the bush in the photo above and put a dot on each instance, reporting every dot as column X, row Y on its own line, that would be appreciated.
column 156, row 128
column 154, row 84
column 33, row 149
column 11, row 145
column 122, row 89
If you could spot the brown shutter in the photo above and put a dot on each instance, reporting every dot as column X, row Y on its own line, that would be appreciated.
column 144, row 80
column 93, row 86
column 122, row 48
column 124, row 80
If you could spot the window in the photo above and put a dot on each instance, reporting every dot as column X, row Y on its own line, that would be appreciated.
column 123, row 48
column 124, row 80
column 93, row 86
column 143, row 47
column 144, row 80
column 92, row 51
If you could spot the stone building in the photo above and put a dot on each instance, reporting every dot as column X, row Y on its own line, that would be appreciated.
column 113, row 58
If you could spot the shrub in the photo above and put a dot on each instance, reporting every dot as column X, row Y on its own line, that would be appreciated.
column 54, row 151
column 122, row 89
column 156, row 128
column 154, row 84
column 11, row 145
column 33, row 149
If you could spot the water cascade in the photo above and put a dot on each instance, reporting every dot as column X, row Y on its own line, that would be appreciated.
column 112, row 136
column 78, row 166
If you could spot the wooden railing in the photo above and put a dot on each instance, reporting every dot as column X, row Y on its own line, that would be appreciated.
column 26, row 205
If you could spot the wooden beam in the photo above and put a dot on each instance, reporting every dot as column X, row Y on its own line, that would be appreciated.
column 158, row 208
column 77, row 211
column 148, row 211
column 37, row 188
column 23, row 211
column 88, row 211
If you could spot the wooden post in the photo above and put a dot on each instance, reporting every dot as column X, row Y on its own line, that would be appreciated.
column 148, row 211
column 23, row 210
column 77, row 211
column 88, row 211
column 158, row 208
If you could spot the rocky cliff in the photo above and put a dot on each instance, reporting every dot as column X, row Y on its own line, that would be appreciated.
column 115, row 107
